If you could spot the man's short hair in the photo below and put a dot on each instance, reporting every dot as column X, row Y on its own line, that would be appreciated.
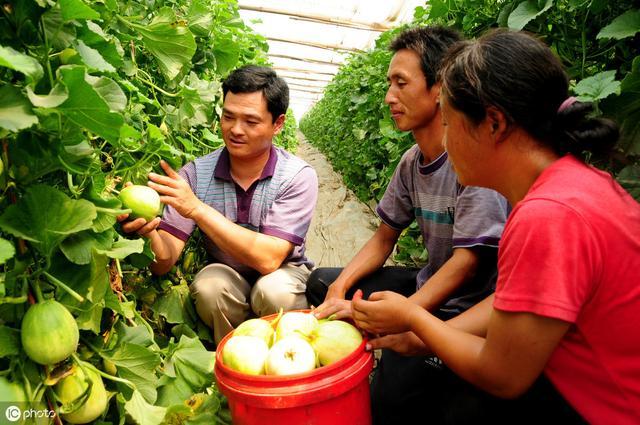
column 430, row 43
column 252, row 78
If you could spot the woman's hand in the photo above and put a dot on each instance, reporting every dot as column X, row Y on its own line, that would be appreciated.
column 175, row 191
column 384, row 313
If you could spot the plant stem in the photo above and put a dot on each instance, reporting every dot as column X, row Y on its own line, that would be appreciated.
column 35, row 284
column 64, row 287
column 113, row 211
column 102, row 373
column 119, row 268
column 152, row 85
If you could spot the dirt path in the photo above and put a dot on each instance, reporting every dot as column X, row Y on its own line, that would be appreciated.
column 341, row 223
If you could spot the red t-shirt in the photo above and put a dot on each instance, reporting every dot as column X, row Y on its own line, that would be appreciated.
column 571, row 251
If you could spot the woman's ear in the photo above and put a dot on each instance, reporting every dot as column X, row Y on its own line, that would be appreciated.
column 434, row 91
column 498, row 123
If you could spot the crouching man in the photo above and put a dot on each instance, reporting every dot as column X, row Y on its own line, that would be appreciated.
column 253, row 202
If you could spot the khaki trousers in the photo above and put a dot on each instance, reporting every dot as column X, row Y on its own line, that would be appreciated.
column 224, row 299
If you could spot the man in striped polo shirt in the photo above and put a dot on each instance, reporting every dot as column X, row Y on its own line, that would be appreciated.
column 460, row 227
column 253, row 202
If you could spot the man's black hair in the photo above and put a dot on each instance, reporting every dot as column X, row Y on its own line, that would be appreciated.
column 430, row 43
column 252, row 78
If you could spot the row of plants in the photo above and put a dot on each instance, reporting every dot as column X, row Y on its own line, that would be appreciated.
column 94, row 94
column 597, row 40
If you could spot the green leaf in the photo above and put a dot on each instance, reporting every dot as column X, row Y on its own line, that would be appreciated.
column 9, row 341
column 89, row 320
column 34, row 157
column 59, row 34
column 227, row 53
column 20, row 62
column 15, row 110
column 56, row 97
column 109, row 47
column 86, row 107
column 191, row 367
column 137, row 364
column 172, row 304
column 78, row 248
column 209, row 411
column 525, row 12
column 92, row 58
column 629, row 178
column 142, row 412
column 359, row 133
column 200, row 18
column 7, row 250
column 46, row 217
column 77, row 9
column 597, row 87
column 437, row 9
column 138, row 335
column 89, row 280
column 627, row 109
column 169, row 41
column 122, row 248
column 110, row 91
column 625, row 25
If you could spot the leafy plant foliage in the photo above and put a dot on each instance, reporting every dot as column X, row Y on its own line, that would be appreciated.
column 597, row 40
column 94, row 94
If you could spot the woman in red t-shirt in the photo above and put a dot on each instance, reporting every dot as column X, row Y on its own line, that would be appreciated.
column 567, row 300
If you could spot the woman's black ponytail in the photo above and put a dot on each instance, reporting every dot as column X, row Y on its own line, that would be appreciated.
column 576, row 131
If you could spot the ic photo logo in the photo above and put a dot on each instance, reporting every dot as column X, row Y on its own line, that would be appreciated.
column 13, row 413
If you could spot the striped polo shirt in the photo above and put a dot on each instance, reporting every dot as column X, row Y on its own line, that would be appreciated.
column 280, row 203
column 449, row 216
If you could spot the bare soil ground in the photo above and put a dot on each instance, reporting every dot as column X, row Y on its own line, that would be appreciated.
column 341, row 223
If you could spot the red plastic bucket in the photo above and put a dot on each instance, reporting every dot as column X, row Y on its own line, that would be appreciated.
column 337, row 394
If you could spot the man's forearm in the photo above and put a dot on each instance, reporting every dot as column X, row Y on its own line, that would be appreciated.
column 263, row 253
column 370, row 258
column 453, row 274
column 165, row 257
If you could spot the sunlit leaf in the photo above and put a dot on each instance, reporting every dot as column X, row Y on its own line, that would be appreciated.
column 110, row 91
column 170, row 41
column 56, row 97
column 625, row 25
column 92, row 58
column 597, row 87
column 188, row 369
column 46, row 217
column 15, row 110
column 525, row 12
column 20, row 62
column 86, row 107
column 142, row 412
column 171, row 305
column 7, row 250
column 137, row 364
column 77, row 9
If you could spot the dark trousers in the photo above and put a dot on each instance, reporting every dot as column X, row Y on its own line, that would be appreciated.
column 397, row 279
column 412, row 390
